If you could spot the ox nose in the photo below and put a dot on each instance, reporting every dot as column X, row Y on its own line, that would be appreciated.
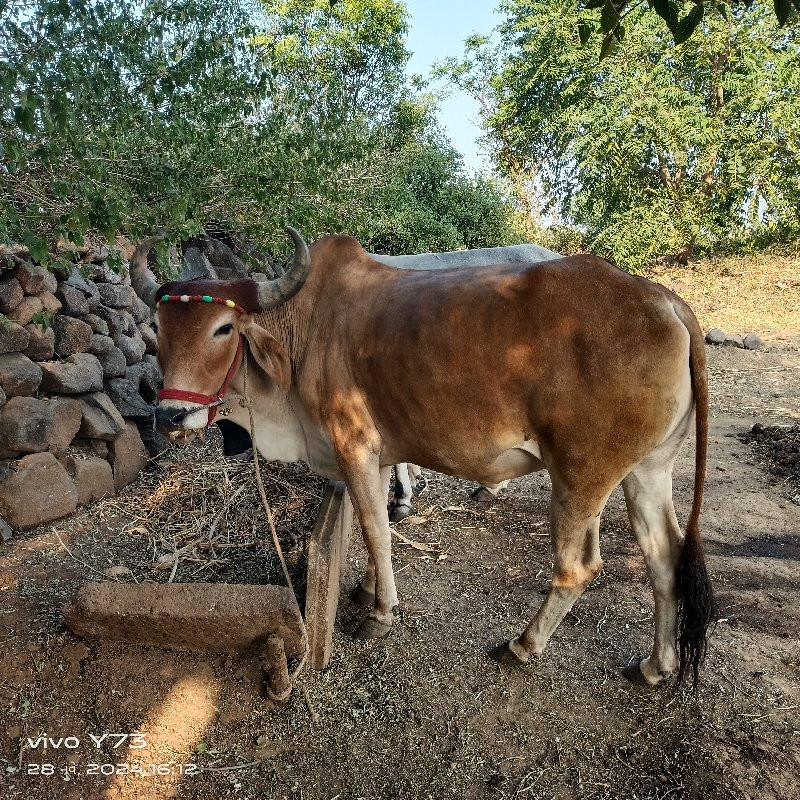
column 169, row 419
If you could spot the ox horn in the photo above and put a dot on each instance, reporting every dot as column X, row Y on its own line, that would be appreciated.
column 143, row 281
column 274, row 292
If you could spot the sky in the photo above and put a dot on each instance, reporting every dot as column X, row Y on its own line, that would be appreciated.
column 438, row 29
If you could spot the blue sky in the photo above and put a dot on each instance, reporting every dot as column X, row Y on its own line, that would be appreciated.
column 438, row 29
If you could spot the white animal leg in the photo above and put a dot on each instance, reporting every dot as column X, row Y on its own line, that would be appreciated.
column 576, row 561
column 648, row 495
column 400, row 506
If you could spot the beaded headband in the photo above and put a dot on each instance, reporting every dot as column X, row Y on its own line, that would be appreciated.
column 201, row 298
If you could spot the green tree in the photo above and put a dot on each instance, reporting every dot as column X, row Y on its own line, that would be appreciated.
column 658, row 149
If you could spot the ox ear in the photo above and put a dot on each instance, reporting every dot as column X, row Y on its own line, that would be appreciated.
column 270, row 354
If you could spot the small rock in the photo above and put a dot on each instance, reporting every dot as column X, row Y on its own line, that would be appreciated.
column 92, row 476
column 99, row 344
column 716, row 336
column 11, row 295
column 127, row 399
column 5, row 532
column 101, row 418
column 13, row 338
column 78, row 374
column 113, row 363
column 50, row 303
column 34, row 279
column 73, row 301
column 19, row 376
column 116, row 572
column 127, row 455
column 752, row 341
column 731, row 340
column 36, row 490
column 133, row 348
column 72, row 335
column 41, row 342
column 117, row 324
column 115, row 295
column 149, row 337
column 140, row 311
column 26, row 425
column 24, row 312
column 67, row 418
column 96, row 324
column 102, row 273
column 93, row 296
column 76, row 281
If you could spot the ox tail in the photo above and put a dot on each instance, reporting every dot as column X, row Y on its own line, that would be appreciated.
column 697, row 608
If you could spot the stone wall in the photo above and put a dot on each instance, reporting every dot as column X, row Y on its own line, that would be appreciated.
column 78, row 376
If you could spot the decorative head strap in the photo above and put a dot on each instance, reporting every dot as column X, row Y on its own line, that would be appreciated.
column 201, row 298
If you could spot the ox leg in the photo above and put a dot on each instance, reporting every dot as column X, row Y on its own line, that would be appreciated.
column 368, row 486
column 575, row 536
column 648, row 495
column 400, row 507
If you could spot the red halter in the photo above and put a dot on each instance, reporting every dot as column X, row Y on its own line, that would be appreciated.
column 210, row 401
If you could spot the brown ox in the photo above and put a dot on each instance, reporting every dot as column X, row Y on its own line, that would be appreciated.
column 569, row 365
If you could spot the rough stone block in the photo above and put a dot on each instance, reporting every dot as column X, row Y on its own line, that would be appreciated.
column 101, row 419
column 34, row 279
column 205, row 617
column 115, row 295
column 13, row 338
column 140, row 311
column 11, row 295
column 23, row 313
column 19, row 376
column 73, row 300
column 26, row 425
column 67, row 418
column 146, row 377
column 5, row 531
column 36, row 490
column 133, row 348
column 149, row 337
column 113, row 363
column 50, row 303
column 78, row 374
column 72, row 335
column 127, row 455
column 125, row 396
column 326, row 553
column 92, row 476
column 41, row 342
column 716, row 336
column 96, row 324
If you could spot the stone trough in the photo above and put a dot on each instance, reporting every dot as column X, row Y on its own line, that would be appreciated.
column 260, row 621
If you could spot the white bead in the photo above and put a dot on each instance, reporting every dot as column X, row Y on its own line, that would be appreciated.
column 184, row 298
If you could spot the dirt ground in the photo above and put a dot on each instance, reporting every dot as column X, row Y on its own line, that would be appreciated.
column 424, row 713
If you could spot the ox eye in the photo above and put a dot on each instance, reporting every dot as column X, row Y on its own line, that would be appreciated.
column 223, row 331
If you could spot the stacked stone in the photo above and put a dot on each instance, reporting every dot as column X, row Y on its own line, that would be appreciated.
column 77, row 373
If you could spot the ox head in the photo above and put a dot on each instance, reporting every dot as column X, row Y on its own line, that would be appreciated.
column 202, row 328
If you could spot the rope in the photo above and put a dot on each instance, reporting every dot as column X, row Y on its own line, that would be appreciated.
column 246, row 402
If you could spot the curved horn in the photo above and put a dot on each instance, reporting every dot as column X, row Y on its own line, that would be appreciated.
column 143, row 281
column 274, row 292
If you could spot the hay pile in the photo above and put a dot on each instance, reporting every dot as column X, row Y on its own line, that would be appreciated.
column 201, row 518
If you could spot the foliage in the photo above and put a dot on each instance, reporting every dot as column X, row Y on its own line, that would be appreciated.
column 681, row 17
column 131, row 116
column 658, row 150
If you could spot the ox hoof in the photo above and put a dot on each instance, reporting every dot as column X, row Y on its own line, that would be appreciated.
column 633, row 672
column 372, row 629
column 504, row 655
column 399, row 511
column 482, row 495
column 360, row 596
